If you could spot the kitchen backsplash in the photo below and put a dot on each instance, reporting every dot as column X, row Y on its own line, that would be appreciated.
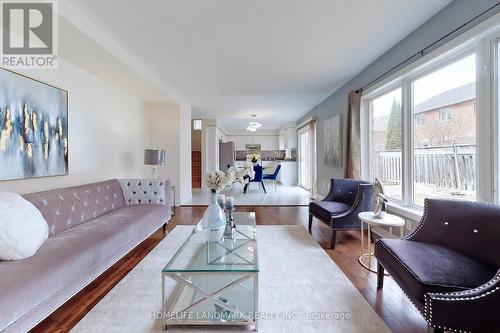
column 241, row 155
column 267, row 155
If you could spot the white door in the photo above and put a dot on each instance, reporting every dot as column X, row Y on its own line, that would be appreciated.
column 304, row 158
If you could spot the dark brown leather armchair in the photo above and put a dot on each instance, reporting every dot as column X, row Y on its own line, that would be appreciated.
column 449, row 267
column 340, row 208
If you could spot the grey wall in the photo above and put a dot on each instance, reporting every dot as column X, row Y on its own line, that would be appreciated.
column 448, row 19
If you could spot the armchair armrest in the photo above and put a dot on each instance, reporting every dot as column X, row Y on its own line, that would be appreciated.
column 146, row 191
column 471, row 310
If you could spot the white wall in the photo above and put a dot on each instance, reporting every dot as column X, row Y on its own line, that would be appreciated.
column 209, row 149
column 211, row 135
column 106, row 131
column 169, row 128
column 185, row 184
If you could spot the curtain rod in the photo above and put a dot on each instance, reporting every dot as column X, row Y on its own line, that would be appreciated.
column 422, row 52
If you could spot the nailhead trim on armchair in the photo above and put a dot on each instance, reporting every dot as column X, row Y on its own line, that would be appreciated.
column 449, row 217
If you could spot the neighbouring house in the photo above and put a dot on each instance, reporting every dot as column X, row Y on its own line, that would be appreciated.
column 447, row 117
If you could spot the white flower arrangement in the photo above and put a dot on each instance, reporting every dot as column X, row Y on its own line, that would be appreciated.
column 248, row 170
column 242, row 175
column 218, row 180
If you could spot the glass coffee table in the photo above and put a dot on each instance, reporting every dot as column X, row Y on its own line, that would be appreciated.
column 216, row 283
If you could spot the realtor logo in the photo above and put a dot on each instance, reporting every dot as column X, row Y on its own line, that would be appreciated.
column 29, row 34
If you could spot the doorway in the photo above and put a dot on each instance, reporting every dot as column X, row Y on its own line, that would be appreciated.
column 304, row 158
column 196, row 153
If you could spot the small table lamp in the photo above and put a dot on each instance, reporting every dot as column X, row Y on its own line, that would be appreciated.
column 154, row 157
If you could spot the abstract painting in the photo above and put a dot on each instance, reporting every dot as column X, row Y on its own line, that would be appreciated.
column 333, row 141
column 33, row 128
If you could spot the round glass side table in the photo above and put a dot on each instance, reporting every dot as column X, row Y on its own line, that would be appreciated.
column 389, row 220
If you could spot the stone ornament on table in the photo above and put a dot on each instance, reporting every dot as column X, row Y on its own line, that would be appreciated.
column 230, row 226
column 379, row 199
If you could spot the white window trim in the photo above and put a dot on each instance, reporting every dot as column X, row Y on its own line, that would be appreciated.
column 481, row 40
column 495, row 121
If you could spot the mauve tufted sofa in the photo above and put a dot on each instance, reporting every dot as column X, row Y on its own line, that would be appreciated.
column 91, row 227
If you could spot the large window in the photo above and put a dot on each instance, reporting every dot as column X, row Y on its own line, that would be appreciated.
column 422, row 133
column 444, row 148
column 496, row 98
column 197, row 124
column 386, row 141
column 448, row 142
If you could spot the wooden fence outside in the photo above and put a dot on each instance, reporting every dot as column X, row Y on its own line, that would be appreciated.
column 446, row 167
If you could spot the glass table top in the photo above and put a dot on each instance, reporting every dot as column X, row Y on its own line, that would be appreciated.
column 227, row 255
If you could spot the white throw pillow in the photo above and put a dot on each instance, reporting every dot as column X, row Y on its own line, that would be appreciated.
column 22, row 227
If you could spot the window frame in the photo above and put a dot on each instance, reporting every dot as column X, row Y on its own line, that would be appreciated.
column 495, row 120
column 388, row 89
column 448, row 113
column 195, row 122
column 421, row 118
column 481, row 40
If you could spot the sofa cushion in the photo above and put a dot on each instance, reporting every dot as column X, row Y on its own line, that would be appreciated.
column 325, row 209
column 421, row 268
column 22, row 228
column 69, row 255
column 66, row 208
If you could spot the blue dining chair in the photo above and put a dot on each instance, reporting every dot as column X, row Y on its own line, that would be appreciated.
column 273, row 176
column 257, row 178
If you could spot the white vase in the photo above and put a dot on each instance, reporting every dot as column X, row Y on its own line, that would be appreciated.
column 214, row 220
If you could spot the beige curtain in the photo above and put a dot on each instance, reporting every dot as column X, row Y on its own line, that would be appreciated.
column 353, row 169
column 310, row 127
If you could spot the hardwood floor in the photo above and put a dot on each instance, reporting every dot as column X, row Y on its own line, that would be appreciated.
column 390, row 303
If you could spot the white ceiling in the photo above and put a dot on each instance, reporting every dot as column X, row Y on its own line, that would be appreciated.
column 93, row 58
column 278, row 59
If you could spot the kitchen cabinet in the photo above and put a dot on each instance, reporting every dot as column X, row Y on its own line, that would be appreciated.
column 288, row 138
column 288, row 173
column 240, row 164
column 281, row 141
column 291, row 138
column 266, row 142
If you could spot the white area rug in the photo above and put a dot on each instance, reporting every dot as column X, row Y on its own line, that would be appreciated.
column 296, row 275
